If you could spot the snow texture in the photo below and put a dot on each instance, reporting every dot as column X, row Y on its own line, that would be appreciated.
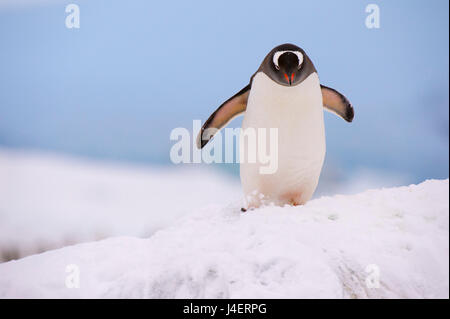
column 51, row 201
column 327, row 248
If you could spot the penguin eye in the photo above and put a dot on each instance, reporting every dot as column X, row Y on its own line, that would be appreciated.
column 300, row 59
column 275, row 58
column 277, row 55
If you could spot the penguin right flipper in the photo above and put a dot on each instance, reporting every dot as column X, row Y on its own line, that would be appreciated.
column 337, row 103
column 231, row 108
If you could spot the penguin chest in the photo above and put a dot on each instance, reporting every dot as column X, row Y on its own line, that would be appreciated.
column 296, row 113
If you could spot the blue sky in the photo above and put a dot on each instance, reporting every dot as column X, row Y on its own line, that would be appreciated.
column 116, row 87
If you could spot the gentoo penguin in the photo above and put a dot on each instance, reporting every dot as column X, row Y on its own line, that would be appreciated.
column 284, row 93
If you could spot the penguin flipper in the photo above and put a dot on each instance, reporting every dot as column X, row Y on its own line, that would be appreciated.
column 337, row 103
column 231, row 108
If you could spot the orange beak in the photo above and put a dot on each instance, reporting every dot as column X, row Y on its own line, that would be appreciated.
column 289, row 80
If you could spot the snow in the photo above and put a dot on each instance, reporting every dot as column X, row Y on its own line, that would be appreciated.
column 327, row 248
column 48, row 201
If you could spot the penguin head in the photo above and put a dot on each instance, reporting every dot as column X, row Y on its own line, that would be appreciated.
column 287, row 64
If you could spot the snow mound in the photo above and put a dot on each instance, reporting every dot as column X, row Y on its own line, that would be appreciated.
column 50, row 201
column 332, row 247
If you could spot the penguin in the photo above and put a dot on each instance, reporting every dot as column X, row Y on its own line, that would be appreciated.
column 284, row 93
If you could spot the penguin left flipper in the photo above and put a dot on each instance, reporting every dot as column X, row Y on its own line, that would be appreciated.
column 231, row 108
column 337, row 103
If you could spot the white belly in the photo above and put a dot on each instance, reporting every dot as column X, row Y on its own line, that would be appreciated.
column 297, row 112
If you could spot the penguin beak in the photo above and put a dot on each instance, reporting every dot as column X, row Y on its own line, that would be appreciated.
column 289, row 79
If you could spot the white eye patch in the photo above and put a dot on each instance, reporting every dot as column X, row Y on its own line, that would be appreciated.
column 277, row 55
